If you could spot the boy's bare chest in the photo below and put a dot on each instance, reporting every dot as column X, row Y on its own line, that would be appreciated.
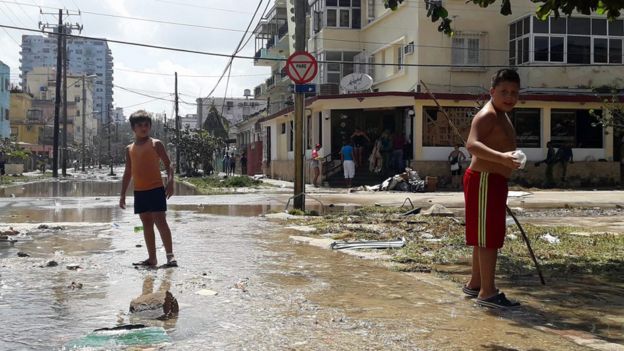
column 502, row 136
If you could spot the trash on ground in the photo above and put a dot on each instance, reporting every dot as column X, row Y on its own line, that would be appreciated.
column 551, row 239
column 138, row 229
column 75, row 286
column 386, row 244
column 206, row 292
column 408, row 181
column 23, row 254
column 52, row 264
column 438, row 210
column 132, row 335
column 73, row 267
column 412, row 212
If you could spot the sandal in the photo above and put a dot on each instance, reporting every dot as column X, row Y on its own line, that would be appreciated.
column 170, row 264
column 145, row 263
column 472, row 292
column 498, row 301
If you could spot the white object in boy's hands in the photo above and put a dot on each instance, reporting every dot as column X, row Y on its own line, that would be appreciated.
column 520, row 157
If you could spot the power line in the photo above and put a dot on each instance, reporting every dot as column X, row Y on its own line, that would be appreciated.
column 133, row 18
column 202, row 7
column 207, row 53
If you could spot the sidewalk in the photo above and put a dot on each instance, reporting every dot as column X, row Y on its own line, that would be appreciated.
column 535, row 199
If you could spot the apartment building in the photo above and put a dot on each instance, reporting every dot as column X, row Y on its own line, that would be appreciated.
column 41, row 83
column 561, row 63
column 5, row 79
column 85, row 56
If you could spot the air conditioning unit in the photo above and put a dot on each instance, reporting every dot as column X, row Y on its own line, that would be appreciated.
column 408, row 49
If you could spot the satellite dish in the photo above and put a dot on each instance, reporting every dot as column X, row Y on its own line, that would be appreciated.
column 356, row 82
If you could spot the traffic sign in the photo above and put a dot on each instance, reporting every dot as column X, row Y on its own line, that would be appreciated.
column 305, row 88
column 301, row 67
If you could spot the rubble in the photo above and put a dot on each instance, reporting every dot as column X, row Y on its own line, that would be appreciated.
column 438, row 210
column 408, row 181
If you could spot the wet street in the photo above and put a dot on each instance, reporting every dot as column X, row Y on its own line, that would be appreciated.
column 242, row 283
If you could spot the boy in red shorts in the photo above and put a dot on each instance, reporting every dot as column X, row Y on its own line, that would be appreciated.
column 491, row 142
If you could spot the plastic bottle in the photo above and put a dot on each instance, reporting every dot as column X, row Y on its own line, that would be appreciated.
column 520, row 157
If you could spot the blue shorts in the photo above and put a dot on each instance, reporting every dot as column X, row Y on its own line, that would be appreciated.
column 154, row 200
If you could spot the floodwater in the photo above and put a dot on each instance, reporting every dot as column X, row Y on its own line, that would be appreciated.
column 272, row 294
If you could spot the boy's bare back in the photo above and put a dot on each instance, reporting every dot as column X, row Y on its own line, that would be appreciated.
column 495, row 130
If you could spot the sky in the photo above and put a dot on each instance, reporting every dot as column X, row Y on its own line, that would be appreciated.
column 229, row 14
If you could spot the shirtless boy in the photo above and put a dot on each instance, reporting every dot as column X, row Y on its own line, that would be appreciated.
column 491, row 142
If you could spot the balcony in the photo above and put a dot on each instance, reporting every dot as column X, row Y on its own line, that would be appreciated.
column 265, row 57
column 270, row 82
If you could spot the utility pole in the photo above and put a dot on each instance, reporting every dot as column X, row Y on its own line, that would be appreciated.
column 65, row 30
column 110, row 153
column 177, row 125
column 300, row 45
column 57, row 98
column 84, row 120
column 61, row 56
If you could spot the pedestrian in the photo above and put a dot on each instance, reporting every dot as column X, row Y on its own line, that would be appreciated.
column 398, row 143
column 491, row 143
column 375, row 161
column 315, row 164
column 455, row 158
column 408, row 152
column 232, row 164
column 386, row 152
column 360, row 141
column 550, row 161
column 348, row 165
column 243, row 162
column 143, row 158
column 564, row 156
column 226, row 164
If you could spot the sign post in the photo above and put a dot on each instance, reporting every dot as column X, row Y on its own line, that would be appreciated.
column 302, row 68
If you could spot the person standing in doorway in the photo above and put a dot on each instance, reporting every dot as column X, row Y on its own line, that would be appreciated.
column 491, row 143
column 455, row 158
column 348, row 165
column 398, row 143
column 386, row 152
column 143, row 158
column 550, row 160
column 563, row 157
column 360, row 142
column 315, row 164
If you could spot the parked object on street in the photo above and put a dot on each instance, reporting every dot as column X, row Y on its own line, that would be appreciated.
column 387, row 244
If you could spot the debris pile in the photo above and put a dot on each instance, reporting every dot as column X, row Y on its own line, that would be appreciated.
column 408, row 181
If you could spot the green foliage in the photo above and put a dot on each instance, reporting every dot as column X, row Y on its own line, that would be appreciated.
column 610, row 8
column 11, row 151
column 613, row 103
column 206, row 184
column 215, row 124
column 197, row 148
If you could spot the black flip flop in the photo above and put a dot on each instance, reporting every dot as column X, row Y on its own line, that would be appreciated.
column 170, row 264
column 144, row 263
column 498, row 301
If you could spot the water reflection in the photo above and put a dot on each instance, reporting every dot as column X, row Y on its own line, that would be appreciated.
column 77, row 188
column 155, row 307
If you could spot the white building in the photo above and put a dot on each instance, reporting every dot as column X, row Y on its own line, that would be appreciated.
column 189, row 121
column 232, row 109
column 86, row 56
column 118, row 116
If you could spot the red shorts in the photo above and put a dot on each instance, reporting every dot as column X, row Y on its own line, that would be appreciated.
column 485, row 195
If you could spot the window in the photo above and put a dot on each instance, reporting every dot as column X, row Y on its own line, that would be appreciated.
column 438, row 132
column 320, row 128
column 400, row 58
column 573, row 40
column 283, row 128
column 309, row 134
column 343, row 13
column 527, row 122
column 370, row 10
column 333, row 72
column 575, row 127
column 465, row 51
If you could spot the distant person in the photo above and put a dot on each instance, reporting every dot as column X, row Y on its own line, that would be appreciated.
column 386, row 152
column 315, row 164
column 455, row 158
column 243, row 162
column 491, row 142
column 375, row 160
column 348, row 165
column 226, row 164
column 360, row 142
column 550, row 161
column 408, row 152
column 398, row 143
column 564, row 156
column 143, row 159
column 232, row 164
